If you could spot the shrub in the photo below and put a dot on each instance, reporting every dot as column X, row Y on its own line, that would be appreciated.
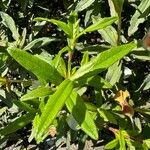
column 72, row 71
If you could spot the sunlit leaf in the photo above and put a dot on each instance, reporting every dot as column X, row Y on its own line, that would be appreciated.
column 107, row 116
column 112, row 144
column 103, row 61
column 37, row 43
column 100, row 24
column 9, row 23
column 62, row 25
column 83, row 4
column 52, row 108
column 44, row 71
column 139, row 16
column 80, row 113
column 39, row 92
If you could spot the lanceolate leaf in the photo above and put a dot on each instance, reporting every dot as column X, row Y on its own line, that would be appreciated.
column 62, row 25
column 9, row 23
column 139, row 17
column 39, row 42
column 39, row 92
column 83, row 4
column 112, row 144
column 146, row 83
column 53, row 106
column 121, row 140
column 107, row 116
column 109, row 34
column 118, row 4
column 79, row 111
column 102, row 23
column 114, row 73
column 103, row 61
column 17, row 124
column 44, row 71
column 24, row 106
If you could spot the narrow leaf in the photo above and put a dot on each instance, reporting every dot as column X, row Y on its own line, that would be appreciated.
column 53, row 106
column 37, row 43
column 107, row 116
column 118, row 4
column 102, row 23
column 17, row 124
column 139, row 16
column 114, row 73
column 147, row 142
column 39, row 92
column 62, row 25
column 83, row 4
column 80, row 113
column 44, row 71
column 146, row 84
column 109, row 34
column 121, row 140
column 24, row 106
column 112, row 144
column 97, row 82
column 85, row 58
column 9, row 23
column 103, row 61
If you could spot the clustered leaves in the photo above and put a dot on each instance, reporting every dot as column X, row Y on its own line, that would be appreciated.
column 62, row 85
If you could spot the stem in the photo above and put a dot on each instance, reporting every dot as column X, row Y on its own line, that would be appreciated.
column 15, row 81
column 119, row 30
column 69, row 62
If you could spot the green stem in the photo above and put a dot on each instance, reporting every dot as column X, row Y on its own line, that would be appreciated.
column 69, row 63
column 119, row 30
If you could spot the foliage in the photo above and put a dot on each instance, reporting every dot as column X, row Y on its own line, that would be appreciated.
column 74, row 71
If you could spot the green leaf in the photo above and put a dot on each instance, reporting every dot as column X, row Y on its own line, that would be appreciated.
column 147, row 142
column 107, row 116
column 121, row 140
column 138, row 124
column 62, row 67
column 62, row 25
column 109, row 34
column 80, row 113
column 143, row 110
column 2, row 110
column 44, row 71
column 17, row 124
column 100, row 24
column 23, row 38
column 103, row 61
column 37, row 43
column 112, row 144
column 85, row 58
column 98, row 82
column 9, row 23
column 72, row 123
column 39, row 92
column 83, row 4
column 73, row 24
column 144, row 146
column 146, row 83
column 118, row 4
column 24, row 106
column 114, row 73
column 53, row 106
column 139, row 16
